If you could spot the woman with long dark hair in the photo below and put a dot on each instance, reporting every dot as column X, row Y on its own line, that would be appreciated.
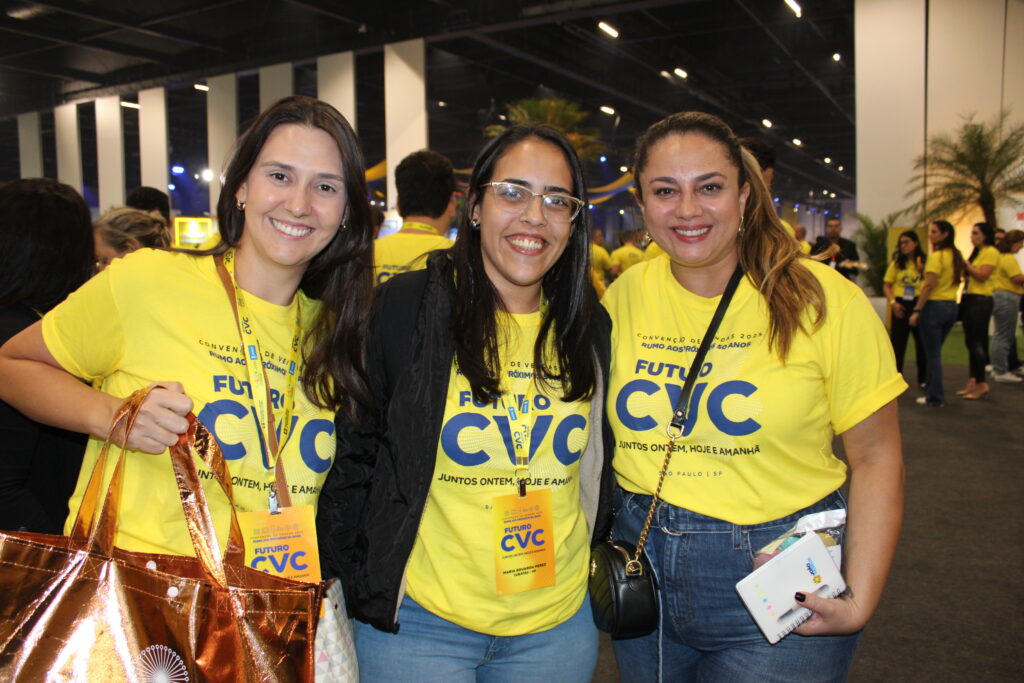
column 976, row 306
column 799, row 356
column 902, row 284
column 936, row 310
column 282, row 302
column 470, row 494
column 38, row 464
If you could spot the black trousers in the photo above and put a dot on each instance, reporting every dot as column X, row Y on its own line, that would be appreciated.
column 900, row 331
column 976, row 311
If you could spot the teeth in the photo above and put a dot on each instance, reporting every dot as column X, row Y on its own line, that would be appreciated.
column 290, row 230
column 692, row 232
column 527, row 243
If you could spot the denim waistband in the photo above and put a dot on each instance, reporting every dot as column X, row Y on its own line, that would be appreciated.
column 681, row 520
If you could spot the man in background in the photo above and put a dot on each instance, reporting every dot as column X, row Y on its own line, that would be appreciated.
column 842, row 252
column 800, row 232
column 425, row 184
column 629, row 254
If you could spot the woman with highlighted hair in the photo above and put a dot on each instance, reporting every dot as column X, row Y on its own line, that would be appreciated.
column 463, row 513
column 798, row 357
column 294, row 263
column 119, row 232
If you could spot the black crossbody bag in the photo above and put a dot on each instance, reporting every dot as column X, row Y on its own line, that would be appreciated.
column 622, row 589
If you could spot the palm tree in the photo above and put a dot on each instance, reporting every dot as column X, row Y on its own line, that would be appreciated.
column 874, row 240
column 979, row 165
column 564, row 115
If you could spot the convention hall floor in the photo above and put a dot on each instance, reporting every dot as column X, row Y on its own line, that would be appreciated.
column 952, row 609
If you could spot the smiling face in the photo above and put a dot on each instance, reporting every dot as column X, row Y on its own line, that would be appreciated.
column 294, row 200
column 693, row 203
column 519, row 246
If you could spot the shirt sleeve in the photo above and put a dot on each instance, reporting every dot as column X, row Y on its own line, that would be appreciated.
column 862, row 375
column 84, row 332
column 988, row 257
column 890, row 273
column 934, row 263
column 1009, row 265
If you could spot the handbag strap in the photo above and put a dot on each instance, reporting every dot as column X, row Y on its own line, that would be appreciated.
column 674, row 429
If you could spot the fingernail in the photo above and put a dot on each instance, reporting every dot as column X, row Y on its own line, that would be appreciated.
column 800, row 597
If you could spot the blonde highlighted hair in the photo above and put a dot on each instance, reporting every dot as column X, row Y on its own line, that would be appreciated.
column 770, row 256
column 127, row 229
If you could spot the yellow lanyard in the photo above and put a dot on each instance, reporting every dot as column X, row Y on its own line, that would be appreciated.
column 417, row 227
column 520, row 418
column 259, row 384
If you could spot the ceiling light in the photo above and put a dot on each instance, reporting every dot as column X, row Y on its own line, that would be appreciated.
column 603, row 158
column 665, row 73
column 828, row 160
column 130, row 105
column 622, row 212
column 502, row 117
column 824, row 192
column 797, row 141
column 442, row 103
column 836, row 56
column 767, row 123
column 795, row 7
column 679, row 71
column 590, row 206
column 177, row 170
column 608, row 110
column 201, row 86
column 840, row 168
column 207, row 175
column 624, row 169
column 609, row 29
column 170, row 186
column 832, row 195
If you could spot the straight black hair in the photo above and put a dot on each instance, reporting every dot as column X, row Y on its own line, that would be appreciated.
column 988, row 234
column 425, row 182
column 947, row 242
column 48, row 253
column 568, row 319
column 919, row 255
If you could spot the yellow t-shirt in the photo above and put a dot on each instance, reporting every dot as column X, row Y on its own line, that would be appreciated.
column 627, row 256
column 941, row 263
column 906, row 282
column 164, row 316
column 653, row 251
column 405, row 250
column 1008, row 267
column 758, row 443
column 788, row 227
column 451, row 571
column 987, row 256
column 600, row 263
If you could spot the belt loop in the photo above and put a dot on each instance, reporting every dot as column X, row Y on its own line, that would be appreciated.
column 737, row 537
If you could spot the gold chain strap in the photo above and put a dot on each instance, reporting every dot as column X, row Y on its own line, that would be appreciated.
column 633, row 566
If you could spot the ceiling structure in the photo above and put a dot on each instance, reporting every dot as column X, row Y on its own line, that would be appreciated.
column 745, row 60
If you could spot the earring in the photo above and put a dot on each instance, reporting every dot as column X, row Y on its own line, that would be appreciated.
column 475, row 223
column 240, row 205
column 739, row 230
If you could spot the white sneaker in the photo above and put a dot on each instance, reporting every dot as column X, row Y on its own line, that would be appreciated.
column 1007, row 377
column 1019, row 371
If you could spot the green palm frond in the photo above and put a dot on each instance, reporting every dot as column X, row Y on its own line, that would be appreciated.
column 560, row 113
column 874, row 242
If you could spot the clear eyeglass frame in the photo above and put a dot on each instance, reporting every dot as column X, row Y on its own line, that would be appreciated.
column 556, row 205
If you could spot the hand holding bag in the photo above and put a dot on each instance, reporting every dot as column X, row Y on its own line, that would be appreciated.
column 77, row 608
column 623, row 592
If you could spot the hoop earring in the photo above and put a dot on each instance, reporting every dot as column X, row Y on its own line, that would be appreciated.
column 240, row 205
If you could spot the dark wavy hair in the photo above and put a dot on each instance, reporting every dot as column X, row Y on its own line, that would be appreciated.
column 769, row 255
column 46, row 231
column 988, row 234
column 571, row 300
column 948, row 242
column 901, row 258
column 340, row 276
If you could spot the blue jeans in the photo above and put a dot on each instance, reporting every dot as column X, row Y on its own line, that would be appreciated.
column 428, row 648
column 935, row 322
column 1004, row 311
column 706, row 634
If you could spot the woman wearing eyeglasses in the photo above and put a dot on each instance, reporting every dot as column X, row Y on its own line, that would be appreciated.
column 902, row 284
column 471, row 493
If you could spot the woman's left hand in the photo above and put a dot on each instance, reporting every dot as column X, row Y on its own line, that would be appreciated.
column 832, row 617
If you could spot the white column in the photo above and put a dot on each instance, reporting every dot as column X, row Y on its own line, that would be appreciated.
column 30, row 146
column 889, row 41
column 405, row 104
column 1013, row 94
column 153, row 156
column 69, row 147
column 221, row 128
column 276, row 81
column 110, row 152
column 336, row 83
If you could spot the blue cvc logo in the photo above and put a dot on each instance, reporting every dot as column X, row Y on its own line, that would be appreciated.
column 712, row 399
column 544, row 427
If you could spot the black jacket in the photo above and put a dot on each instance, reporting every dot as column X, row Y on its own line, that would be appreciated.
column 370, row 507
column 847, row 252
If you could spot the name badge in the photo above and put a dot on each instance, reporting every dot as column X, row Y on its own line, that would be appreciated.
column 283, row 544
column 908, row 292
column 524, row 542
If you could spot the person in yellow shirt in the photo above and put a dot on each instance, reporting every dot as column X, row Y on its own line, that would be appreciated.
column 600, row 261
column 629, row 254
column 425, row 184
column 472, row 491
column 936, row 309
column 295, row 247
column 902, row 284
column 976, row 306
column 1008, row 287
column 799, row 356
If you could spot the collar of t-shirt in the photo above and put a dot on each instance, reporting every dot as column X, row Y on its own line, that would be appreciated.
column 417, row 227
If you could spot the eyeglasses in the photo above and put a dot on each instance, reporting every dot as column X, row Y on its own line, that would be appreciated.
column 557, row 206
